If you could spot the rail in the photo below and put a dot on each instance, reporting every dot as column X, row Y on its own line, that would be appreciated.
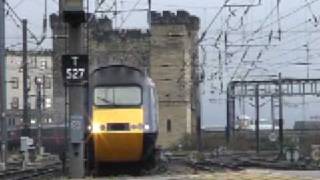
column 52, row 170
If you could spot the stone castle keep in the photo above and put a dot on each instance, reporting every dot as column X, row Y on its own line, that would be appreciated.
column 168, row 52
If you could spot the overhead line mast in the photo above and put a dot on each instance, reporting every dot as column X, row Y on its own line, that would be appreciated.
column 75, row 73
column 2, row 83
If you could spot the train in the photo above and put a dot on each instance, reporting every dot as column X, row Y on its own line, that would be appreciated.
column 123, row 111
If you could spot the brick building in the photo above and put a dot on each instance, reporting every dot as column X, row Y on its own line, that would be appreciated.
column 168, row 52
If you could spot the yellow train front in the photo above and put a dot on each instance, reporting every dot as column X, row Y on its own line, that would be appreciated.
column 124, row 116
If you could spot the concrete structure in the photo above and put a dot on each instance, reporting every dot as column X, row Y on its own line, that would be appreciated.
column 168, row 52
column 40, row 65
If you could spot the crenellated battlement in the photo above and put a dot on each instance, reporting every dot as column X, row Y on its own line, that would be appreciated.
column 179, row 18
column 127, row 34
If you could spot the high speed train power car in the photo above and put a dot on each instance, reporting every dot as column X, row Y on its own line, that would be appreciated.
column 124, row 115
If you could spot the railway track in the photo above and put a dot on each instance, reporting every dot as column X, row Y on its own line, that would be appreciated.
column 35, row 173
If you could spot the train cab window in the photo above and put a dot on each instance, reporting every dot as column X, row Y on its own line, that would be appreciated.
column 118, row 96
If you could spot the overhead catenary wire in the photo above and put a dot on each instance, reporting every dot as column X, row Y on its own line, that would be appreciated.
column 14, row 16
column 129, row 13
column 264, row 60
column 293, row 49
column 203, row 35
column 284, row 41
column 262, row 26
column 241, row 21
column 246, row 51
column 285, row 16
column 314, row 16
column 184, row 6
column 20, row 20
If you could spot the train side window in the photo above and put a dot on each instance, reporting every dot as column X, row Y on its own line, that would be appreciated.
column 169, row 128
column 156, row 101
column 47, row 82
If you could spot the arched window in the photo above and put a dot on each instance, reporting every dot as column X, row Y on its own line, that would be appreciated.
column 169, row 128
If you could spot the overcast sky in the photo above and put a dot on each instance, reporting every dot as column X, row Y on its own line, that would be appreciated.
column 297, row 19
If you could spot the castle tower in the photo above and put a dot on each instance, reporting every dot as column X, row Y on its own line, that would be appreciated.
column 174, row 59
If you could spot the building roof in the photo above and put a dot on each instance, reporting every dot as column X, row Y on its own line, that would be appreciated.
column 46, row 52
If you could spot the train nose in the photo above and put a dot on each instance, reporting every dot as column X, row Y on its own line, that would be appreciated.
column 121, row 138
column 118, row 147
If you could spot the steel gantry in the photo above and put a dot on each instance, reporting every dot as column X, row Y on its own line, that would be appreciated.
column 276, row 88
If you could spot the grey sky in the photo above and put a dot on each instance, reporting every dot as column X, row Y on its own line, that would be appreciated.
column 278, row 56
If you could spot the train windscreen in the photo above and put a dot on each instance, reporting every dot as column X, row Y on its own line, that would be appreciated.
column 118, row 96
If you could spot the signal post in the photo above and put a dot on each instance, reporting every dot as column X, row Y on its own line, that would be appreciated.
column 75, row 74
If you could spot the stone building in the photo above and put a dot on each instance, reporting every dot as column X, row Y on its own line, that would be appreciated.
column 59, row 48
column 113, row 47
column 167, row 52
column 39, row 66
column 173, row 67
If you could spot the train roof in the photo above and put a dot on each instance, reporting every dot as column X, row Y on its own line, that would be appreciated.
column 119, row 75
column 119, row 67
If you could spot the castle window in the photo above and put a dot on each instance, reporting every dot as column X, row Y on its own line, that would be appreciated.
column 43, row 65
column 15, row 103
column 12, row 122
column 9, row 122
column 47, row 82
column 169, row 128
column 48, row 103
column 33, row 62
column 15, row 83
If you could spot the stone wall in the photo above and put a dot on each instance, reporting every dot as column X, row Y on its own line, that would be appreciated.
column 59, row 48
column 114, row 47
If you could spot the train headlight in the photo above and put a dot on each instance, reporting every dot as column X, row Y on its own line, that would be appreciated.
column 147, row 127
column 89, row 128
column 98, row 128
